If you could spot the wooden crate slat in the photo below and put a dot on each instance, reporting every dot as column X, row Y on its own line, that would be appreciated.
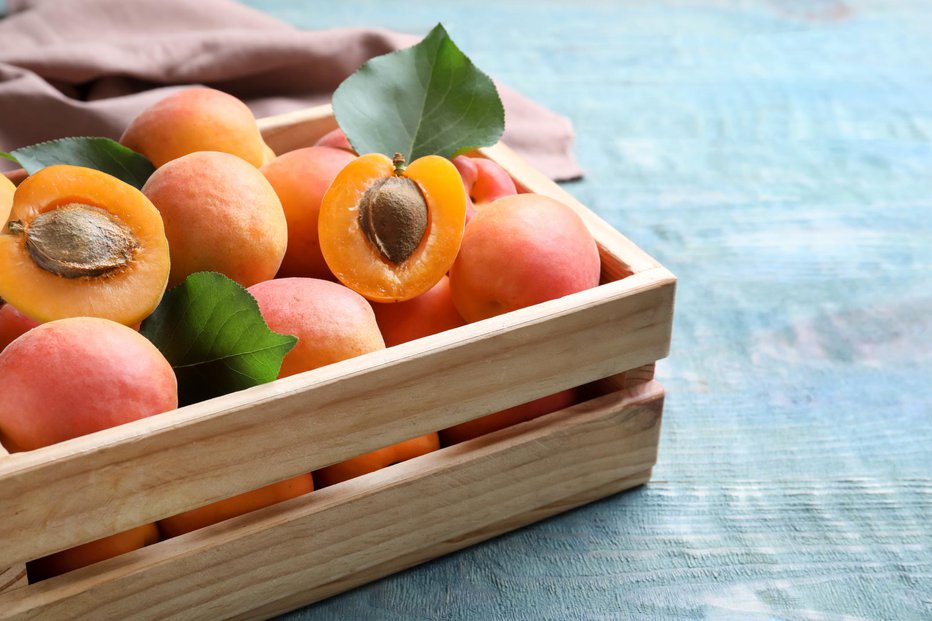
column 14, row 575
column 313, row 547
column 152, row 468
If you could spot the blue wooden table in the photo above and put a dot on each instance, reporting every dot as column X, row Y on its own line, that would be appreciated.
column 777, row 156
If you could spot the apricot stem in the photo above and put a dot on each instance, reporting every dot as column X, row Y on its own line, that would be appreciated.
column 400, row 164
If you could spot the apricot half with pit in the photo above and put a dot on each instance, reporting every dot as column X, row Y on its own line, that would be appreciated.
column 389, row 231
column 80, row 242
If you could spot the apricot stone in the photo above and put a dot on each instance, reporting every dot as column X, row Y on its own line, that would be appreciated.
column 522, row 250
column 220, row 215
column 301, row 179
column 196, row 119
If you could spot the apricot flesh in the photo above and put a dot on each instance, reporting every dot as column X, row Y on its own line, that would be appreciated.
column 196, row 119
column 220, row 215
column 300, row 179
column 368, row 267
column 522, row 250
column 80, row 243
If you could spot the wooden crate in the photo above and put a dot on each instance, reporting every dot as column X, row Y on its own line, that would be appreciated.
column 339, row 537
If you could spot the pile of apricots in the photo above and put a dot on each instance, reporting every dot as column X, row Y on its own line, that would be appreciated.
column 350, row 254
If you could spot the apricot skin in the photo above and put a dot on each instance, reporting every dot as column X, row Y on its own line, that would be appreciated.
column 430, row 313
column 92, row 552
column 301, row 179
column 335, row 139
column 519, row 251
column 332, row 323
column 71, row 377
column 196, row 119
column 13, row 324
column 507, row 418
column 381, row 458
column 7, row 188
column 236, row 505
column 220, row 215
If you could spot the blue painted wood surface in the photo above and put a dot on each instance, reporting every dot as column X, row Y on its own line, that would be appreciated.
column 777, row 156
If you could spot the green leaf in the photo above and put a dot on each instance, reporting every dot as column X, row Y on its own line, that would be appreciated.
column 423, row 100
column 101, row 154
column 211, row 331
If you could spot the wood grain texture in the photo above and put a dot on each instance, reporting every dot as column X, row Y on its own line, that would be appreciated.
column 774, row 155
column 156, row 467
column 365, row 528
column 13, row 576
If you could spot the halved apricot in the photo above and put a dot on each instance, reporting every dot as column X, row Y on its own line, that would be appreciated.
column 80, row 243
column 391, row 232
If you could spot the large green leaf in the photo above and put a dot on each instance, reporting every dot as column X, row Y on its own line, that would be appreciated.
column 102, row 154
column 211, row 331
column 423, row 100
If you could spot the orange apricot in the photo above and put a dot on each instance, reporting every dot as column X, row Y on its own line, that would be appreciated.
column 13, row 324
column 332, row 323
column 196, row 119
column 429, row 313
column 220, row 215
column 335, row 139
column 381, row 458
column 241, row 504
column 391, row 232
column 82, row 243
column 7, row 189
column 522, row 250
column 301, row 179
column 268, row 154
column 484, row 180
column 92, row 552
column 506, row 418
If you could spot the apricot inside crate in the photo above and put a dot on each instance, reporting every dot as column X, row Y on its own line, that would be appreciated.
column 339, row 537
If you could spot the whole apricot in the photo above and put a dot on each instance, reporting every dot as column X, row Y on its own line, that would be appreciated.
column 220, row 215
column 301, row 179
column 13, row 324
column 335, row 139
column 332, row 323
column 431, row 312
column 484, row 180
column 81, row 243
column 522, row 250
column 92, row 552
column 196, row 119
column 506, row 418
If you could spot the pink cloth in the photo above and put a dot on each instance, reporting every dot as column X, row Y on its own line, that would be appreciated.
column 87, row 67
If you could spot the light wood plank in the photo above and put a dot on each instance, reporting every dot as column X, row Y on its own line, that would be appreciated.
column 14, row 576
column 312, row 547
column 152, row 468
column 295, row 130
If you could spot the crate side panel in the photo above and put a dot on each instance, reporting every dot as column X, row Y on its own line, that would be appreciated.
column 313, row 547
column 14, row 576
column 149, row 469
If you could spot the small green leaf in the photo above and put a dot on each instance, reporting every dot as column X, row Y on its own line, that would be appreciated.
column 211, row 331
column 423, row 100
column 102, row 154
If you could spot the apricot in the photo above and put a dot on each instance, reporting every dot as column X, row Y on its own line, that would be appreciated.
column 71, row 377
column 332, row 323
column 13, row 324
column 7, row 189
column 335, row 139
column 484, row 180
column 381, row 458
column 429, row 313
column 522, row 250
column 390, row 231
column 221, row 215
column 301, row 179
column 196, row 119
column 268, row 154
column 237, row 505
column 92, row 552
column 82, row 243
column 507, row 418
